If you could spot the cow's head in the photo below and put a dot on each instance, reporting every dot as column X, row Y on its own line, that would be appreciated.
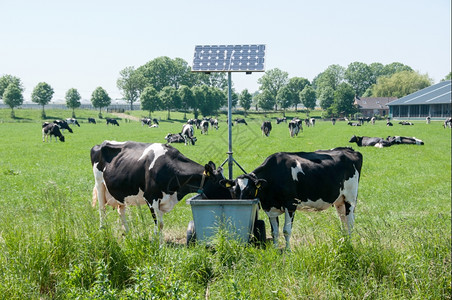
column 61, row 137
column 211, row 187
column 245, row 186
column 353, row 139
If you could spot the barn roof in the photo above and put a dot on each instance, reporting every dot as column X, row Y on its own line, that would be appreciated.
column 373, row 102
column 439, row 93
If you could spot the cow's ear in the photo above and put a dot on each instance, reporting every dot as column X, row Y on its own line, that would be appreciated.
column 261, row 183
column 227, row 183
column 208, row 170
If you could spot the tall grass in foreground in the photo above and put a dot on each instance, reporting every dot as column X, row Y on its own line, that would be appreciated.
column 51, row 246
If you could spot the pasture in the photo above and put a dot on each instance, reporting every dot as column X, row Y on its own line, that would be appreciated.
column 51, row 246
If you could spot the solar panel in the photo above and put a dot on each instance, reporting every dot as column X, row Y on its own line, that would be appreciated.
column 229, row 58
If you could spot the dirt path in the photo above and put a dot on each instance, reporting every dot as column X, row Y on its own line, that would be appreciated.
column 126, row 116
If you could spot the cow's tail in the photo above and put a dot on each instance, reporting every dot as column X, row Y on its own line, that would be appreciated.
column 94, row 197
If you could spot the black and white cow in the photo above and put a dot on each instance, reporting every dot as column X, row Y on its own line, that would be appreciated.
column 63, row 125
column 295, row 126
column 132, row 173
column 188, row 133
column 404, row 140
column 72, row 121
column 146, row 121
column 353, row 124
column 266, row 127
column 240, row 121
column 175, row 138
column 112, row 121
column 49, row 130
column 333, row 121
column 204, row 126
column 363, row 141
column 372, row 120
column 389, row 123
column 447, row 123
column 91, row 120
column 427, row 120
column 312, row 122
column 155, row 121
column 405, row 123
column 280, row 120
column 286, row 182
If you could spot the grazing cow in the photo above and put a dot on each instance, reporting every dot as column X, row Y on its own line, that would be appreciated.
column 155, row 121
column 91, row 120
column 307, row 122
column 353, row 124
column 240, row 121
column 447, row 123
column 312, row 122
column 295, row 126
column 427, row 120
column 372, row 120
column 214, row 123
column 132, row 173
column 72, row 121
column 266, row 128
column 175, row 138
column 404, row 140
column 363, row 141
column 112, row 121
column 280, row 120
column 49, row 130
column 146, row 121
column 333, row 120
column 63, row 125
column 405, row 123
column 286, row 182
column 204, row 126
column 188, row 134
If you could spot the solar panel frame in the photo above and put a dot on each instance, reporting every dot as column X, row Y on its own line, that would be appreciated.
column 229, row 58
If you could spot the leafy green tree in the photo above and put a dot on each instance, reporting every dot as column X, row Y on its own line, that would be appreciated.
column 100, row 99
column 395, row 67
column 42, row 94
column 170, row 99
column 150, row 100
column 198, row 95
column 131, row 83
column 332, row 77
column 271, row 82
column 211, row 100
column 295, row 86
column 215, row 79
column 359, row 76
column 187, row 98
column 265, row 100
column 326, row 97
column 448, row 77
column 344, row 97
column 6, row 80
column 73, row 100
column 245, row 100
column 400, row 84
column 284, row 98
column 12, row 96
column 308, row 97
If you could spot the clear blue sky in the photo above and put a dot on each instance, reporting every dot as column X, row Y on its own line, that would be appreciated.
column 84, row 44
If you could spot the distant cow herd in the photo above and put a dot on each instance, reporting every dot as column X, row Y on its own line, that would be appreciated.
column 159, row 176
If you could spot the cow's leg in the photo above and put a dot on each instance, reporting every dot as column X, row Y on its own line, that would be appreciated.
column 122, row 214
column 287, row 229
column 274, row 223
column 345, row 212
column 100, row 190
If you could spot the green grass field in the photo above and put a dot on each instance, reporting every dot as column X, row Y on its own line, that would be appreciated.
column 51, row 246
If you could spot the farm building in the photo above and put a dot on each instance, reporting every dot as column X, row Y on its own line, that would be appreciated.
column 433, row 101
column 372, row 106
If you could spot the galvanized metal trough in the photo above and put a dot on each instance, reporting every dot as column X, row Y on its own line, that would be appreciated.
column 237, row 217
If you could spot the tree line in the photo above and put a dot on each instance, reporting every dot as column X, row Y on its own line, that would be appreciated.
column 168, row 84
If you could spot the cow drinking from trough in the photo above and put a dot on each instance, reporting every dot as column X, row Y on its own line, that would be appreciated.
column 132, row 173
column 286, row 182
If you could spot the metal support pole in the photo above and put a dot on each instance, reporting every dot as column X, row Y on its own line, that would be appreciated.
column 230, row 159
